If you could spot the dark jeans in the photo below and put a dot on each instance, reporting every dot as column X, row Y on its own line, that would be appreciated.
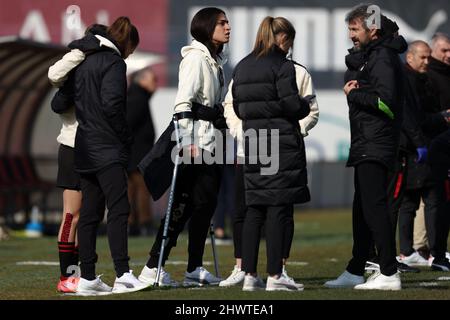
column 108, row 184
column 410, row 204
column 371, row 220
column 195, row 198
column 274, row 218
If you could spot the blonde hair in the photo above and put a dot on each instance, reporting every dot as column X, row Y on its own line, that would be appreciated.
column 268, row 30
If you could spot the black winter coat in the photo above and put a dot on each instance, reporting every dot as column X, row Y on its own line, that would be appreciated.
column 375, row 133
column 103, row 136
column 422, row 107
column 265, row 96
column 140, row 122
column 439, row 74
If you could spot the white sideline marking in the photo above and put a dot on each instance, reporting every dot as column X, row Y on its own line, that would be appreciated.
column 175, row 263
column 55, row 263
column 443, row 278
column 297, row 263
column 37, row 263
column 428, row 284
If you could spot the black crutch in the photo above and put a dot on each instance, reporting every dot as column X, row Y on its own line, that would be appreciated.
column 213, row 245
column 170, row 202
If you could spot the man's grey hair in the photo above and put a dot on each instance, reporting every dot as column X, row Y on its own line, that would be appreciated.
column 439, row 36
column 359, row 12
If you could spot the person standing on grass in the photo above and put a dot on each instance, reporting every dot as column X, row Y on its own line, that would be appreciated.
column 102, row 147
column 201, row 82
column 305, row 88
column 265, row 96
column 60, row 75
column 375, row 96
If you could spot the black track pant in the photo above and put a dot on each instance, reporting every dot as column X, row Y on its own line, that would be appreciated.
column 274, row 218
column 371, row 220
column 108, row 184
column 196, row 194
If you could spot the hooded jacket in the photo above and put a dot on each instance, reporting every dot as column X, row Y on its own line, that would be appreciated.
column 375, row 108
column 103, row 137
column 200, row 80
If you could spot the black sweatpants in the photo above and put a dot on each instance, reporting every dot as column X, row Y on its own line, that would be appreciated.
column 274, row 218
column 239, row 218
column 108, row 184
column 371, row 220
column 196, row 194
column 410, row 204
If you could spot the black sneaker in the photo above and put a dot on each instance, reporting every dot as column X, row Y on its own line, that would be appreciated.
column 440, row 265
column 404, row 268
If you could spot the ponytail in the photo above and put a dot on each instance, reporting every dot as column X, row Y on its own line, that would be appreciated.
column 124, row 33
column 268, row 30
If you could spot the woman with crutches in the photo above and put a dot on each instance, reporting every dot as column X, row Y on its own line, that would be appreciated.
column 200, row 88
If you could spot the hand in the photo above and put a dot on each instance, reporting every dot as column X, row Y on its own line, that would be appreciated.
column 446, row 115
column 349, row 86
column 192, row 150
column 422, row 153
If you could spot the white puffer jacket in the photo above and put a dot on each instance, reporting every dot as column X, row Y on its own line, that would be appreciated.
column 198, row 81
column 305, row 88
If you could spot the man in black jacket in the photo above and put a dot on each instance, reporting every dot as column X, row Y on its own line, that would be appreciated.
column 423, row 107
column 140, row 122
column 375, row 97
column 439, row 74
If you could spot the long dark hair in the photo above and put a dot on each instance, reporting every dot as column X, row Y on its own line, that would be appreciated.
column 124, row 33
column 203, row 25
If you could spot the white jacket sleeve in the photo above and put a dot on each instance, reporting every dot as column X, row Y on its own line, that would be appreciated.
column 58, row 72
column 305, row 88
column 233, row 122
column 190, row 82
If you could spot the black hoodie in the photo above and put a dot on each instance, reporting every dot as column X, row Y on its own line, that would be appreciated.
column 375, row 108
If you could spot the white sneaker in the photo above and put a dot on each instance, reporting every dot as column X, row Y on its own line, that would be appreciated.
column 299, row 286
column 345, row 280
column 413, row 260
column 200, row 277
column 94, row 287
column 281, row 284
column 148, row 276
column 379, row 281
column 252, row 283
column 128, row 283
column 235, row 278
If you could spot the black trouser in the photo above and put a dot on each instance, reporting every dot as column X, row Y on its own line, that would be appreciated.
column 196, row 193
column 239, row 218
column 410, row 204
column 441, row 177
column 108, row 184
column 274, row 218
column 395, row 192
column 371, row 220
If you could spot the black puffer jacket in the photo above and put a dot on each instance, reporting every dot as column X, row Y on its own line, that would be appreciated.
column 265, row 96
column 375, row 108
column 439, row 74
column 103, row 136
